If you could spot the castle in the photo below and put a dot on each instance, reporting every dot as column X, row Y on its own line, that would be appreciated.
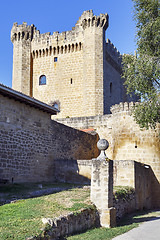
column 78, row 74
column 76, row 71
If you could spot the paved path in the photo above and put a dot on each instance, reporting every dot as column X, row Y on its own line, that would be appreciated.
column 146, row 231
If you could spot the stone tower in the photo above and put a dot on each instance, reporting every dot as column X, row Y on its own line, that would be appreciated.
column 21, row 37
column 94, row 28
column 77, row 71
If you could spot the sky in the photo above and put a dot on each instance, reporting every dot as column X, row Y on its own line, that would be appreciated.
column 62, row 15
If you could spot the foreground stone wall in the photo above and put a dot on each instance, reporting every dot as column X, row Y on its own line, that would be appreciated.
column 83, row 220
column 125, row 205
column 30, row 142
column 73, row 171
column 126, row 140
column 125, row 173
column 70, row 224
column 141, row 177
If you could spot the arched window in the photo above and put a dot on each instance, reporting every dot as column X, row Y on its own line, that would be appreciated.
column 42, row 80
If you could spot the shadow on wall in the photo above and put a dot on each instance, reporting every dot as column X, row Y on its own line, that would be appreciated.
column 155, row 190
column 71, row 143
column 73, row 171
column 147, row 187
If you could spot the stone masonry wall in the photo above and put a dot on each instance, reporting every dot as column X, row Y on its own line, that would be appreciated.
column 141, row 178
column 126, row 140
column 71, row 224
column 30, row 142
column 64, row 83
column 73, row 171
column 125, row 173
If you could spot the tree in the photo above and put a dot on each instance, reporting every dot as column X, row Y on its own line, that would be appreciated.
column 142, row 70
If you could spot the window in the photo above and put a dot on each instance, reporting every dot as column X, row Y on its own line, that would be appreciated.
column 42, row 80
column 110, row 89
column 71, row 80
column 55, row 59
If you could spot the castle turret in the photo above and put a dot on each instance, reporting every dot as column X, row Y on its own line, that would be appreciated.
column 94, row 28
column 21, row 37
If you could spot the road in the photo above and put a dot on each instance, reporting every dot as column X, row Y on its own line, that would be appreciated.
column 149, row 230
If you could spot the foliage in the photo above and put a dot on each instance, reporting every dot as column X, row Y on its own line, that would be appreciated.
column 142, row 71
column 123, row 192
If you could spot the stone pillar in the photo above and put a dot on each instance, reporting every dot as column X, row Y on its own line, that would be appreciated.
column 102, row 186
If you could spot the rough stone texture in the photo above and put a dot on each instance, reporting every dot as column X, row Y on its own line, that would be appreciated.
column 71, row 224
column 73, row 171
column 86, row 219
column 126, row 140
column 86, row 78
column 141, row 178
column 102, row 191
column 124, row 206
column 30, row 142
column 125, row 173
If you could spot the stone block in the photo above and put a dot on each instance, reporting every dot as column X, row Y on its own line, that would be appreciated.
column 108, row 217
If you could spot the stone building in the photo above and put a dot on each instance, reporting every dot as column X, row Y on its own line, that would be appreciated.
column 76, row 71
column 31, row 143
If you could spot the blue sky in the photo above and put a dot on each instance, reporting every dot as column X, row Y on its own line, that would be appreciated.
column 61, row 15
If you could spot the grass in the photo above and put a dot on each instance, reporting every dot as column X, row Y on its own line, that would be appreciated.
column 102, row 233
column 23, row 218
column 23, row 190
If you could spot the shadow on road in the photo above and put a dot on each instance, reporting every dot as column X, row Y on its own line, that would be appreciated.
column 139, row 217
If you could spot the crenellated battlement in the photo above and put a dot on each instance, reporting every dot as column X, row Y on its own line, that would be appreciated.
column 58, row 40
column 122, row 107
column 88, row 19
column 113, row 52
column 23, row 31
column 51, row 51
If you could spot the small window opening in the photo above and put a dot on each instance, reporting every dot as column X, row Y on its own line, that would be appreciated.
column 55, row 59
column 110, row 89
column 71, row 80
column 54, row 50
column 42, row 80
column 58, row 50
column 135, row 144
